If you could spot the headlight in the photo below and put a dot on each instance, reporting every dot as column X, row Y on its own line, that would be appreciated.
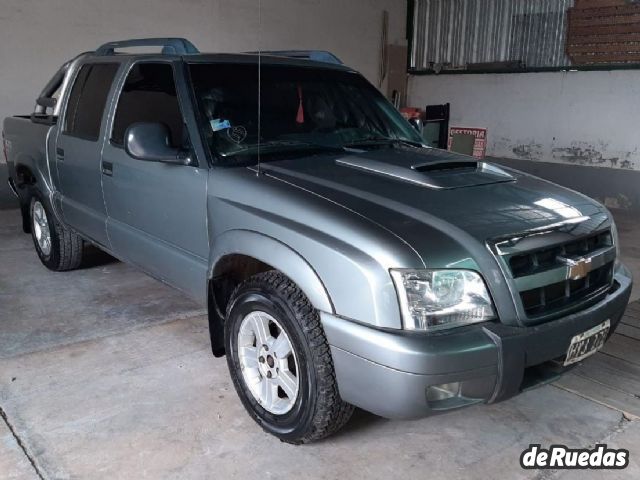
column 436, row 299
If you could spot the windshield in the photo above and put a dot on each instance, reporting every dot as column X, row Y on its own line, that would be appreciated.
column 301, row 108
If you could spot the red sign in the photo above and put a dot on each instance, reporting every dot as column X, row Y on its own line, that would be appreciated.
column 480, row 142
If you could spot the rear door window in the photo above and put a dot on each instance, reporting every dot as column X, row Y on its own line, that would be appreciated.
column 88, row 99
column 149, row 95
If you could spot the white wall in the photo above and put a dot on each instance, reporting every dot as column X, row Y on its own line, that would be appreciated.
column 586, row 118
column 37, row 36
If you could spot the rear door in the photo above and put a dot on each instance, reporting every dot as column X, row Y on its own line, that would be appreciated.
column 78, row 150
column 157, row 216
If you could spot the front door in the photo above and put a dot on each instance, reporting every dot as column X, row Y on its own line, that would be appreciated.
column 157, row 217
column 78, row 149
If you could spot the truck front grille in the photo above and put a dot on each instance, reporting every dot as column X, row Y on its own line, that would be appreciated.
column 546, row 258
column 559, row 275
column 559, row 295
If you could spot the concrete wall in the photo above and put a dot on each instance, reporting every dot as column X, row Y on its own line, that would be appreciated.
column 583, row 118
column 37, row 36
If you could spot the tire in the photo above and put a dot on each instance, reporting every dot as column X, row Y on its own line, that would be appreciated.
column 64, row 250
column 316, row 410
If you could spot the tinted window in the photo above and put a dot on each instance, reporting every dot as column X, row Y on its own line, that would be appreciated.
column 300, row 108
column 149, row 95
column 88, row 99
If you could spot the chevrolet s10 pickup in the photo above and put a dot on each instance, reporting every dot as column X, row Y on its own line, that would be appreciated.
column 342, row 261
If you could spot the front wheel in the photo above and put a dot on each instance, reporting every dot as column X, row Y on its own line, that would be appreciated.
column 58, row 248
column 280, row 361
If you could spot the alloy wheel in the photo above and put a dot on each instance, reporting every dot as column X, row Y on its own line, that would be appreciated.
column 268, row 362
column 41, row 228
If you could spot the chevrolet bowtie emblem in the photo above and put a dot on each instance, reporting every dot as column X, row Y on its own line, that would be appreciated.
column 576, row 269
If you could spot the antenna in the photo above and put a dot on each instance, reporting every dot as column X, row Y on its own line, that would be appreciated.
column 259, row 81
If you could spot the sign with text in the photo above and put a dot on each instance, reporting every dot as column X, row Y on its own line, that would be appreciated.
column 468, row 140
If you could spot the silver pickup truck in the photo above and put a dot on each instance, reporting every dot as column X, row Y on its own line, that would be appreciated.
column 343, row 262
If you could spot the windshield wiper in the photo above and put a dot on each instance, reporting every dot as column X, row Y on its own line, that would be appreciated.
column 277, row 145
column 303, row 143
column 383, row 141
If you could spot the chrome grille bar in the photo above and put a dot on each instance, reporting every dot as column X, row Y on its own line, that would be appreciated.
column 557, row 270
column 563, row 272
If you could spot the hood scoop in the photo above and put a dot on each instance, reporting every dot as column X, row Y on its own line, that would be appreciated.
column 437, row 175
column 446, row 166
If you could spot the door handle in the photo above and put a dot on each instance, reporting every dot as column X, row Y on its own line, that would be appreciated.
column 60, row 153
column 107, row 169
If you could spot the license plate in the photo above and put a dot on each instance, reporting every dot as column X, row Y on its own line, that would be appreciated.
column 587, row 343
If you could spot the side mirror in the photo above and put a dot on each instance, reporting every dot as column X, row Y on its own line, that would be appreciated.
column 152, row 142
column 417, row 124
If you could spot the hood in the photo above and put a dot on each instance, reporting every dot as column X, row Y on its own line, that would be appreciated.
column 406, row 189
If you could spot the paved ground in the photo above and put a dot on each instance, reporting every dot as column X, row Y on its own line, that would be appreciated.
column 612, row 376
column 105, row 373
column 628, row 224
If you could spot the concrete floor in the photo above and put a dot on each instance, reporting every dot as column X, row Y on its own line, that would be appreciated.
column 628, row 224
column 105, row 373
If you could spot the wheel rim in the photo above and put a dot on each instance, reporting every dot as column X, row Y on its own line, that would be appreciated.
column 268, row 362
column 41, row 228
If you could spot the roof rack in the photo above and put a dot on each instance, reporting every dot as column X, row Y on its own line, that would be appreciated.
column 315, row 55
column 170, row 46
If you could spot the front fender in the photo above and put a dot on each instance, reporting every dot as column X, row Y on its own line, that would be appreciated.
column 346, row 253
column 276, row 254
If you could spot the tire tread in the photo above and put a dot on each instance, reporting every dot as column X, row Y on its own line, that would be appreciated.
column 70, row 245
column 332, row 413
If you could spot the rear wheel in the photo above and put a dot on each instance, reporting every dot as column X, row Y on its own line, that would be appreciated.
column 57, row 247
column 280, row 360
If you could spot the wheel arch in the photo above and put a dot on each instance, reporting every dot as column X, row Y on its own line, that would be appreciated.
column 25, row 182
column 239, row 254
column 24, row 175
column 28, row 179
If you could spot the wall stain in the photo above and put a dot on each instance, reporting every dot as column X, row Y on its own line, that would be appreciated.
column 620, row 201
column 587, row 155
column 594, row 154
column 528, row 151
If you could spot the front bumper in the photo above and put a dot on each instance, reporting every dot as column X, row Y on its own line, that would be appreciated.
column 389, row 372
